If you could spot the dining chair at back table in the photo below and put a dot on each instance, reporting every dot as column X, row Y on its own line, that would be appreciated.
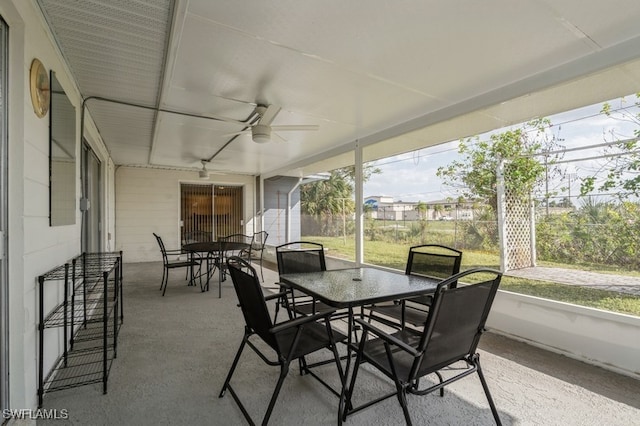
column 168, row 264
column 257, row 250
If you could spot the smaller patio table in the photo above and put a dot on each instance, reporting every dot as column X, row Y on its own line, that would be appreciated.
column 215, row 251
column 352, row 287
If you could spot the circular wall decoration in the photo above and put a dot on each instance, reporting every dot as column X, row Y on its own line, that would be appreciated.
column 40, row 88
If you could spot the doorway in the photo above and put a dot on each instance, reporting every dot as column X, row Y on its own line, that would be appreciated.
column 208, row 212
column 196, row 213
column 90, row 172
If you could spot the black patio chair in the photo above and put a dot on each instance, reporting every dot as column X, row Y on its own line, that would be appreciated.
column 430, row 260
column 455, row 323
column 299, row 257
column 243, row 248
column 290, row 340
column 257, row 249
column 196, row 236
column 246, row 242
column 167, row 264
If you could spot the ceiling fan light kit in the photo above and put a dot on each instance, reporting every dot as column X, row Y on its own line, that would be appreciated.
column 204, row 173
column 261, row 133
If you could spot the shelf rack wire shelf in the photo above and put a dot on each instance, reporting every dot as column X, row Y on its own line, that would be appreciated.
column 90, row 315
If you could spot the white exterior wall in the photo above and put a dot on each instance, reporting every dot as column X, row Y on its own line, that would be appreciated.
column 275, row 210
column 34, row 246
column 603, row 338
column 148, row 201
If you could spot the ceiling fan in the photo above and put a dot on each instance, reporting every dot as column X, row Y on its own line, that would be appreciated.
column 260, row 128
column 204, row 173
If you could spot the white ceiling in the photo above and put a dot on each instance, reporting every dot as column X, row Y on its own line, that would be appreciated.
column 393, row 75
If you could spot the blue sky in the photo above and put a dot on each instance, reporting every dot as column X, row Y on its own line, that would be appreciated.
column 412, row 176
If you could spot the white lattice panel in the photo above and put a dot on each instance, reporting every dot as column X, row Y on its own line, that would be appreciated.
column 517, row 226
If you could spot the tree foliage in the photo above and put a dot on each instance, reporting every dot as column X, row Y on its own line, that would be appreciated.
column 334, row 195
column 475, row 172
column 598, row 233
column 620, row 171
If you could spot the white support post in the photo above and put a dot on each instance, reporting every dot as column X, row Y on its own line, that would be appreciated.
column 501, row 206
column 359, row 204
column 288, row 225
column 532, row 231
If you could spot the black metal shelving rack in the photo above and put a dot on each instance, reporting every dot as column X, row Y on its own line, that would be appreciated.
column 90, row 313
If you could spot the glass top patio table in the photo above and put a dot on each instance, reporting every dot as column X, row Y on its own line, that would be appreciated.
column 218, row 249
column 342, row 288
column 348, row 288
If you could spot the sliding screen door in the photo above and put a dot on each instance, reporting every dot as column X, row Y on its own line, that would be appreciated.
column 228, row 208
column 196, row 212
column 90, row 206
column 208, row 212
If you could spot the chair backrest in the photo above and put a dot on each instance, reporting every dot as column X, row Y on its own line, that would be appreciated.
column 259, row 240
column 196, row 236
column 239, row 238
column 247, row 240
column 433, row 260
column 251, row 299
column 300, row 256
column 163, row 250
column 456, row 319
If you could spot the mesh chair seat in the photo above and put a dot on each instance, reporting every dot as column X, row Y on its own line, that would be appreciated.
column 313, row 339
column 311, row 307
column 400, row 313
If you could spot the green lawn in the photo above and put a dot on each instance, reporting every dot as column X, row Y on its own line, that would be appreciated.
column 394, row 255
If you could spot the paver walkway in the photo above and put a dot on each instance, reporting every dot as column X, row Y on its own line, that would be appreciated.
column 619, row 283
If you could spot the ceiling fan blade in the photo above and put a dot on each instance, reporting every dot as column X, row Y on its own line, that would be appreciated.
column 277, row 138
column 293, row 127
column 243, row 132
column 269, row 114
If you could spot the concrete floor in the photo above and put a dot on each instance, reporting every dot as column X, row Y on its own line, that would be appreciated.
column 175, row 351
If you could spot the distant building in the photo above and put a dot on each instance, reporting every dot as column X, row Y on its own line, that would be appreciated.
column 385, row 208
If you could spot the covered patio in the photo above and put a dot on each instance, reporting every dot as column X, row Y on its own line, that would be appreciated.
column 258, row 96
column 175, row 351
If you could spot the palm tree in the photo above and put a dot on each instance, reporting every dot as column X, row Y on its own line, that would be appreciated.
column 327, row 199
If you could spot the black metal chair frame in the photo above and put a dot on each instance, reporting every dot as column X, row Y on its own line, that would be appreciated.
column 199, row 236
column 291, row 340
column 221, row 258
column 167, row 264
column 414, row 310
column 257, row 249
column 455, row 323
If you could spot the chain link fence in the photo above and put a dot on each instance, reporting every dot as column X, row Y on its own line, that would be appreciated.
column 466, row 234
